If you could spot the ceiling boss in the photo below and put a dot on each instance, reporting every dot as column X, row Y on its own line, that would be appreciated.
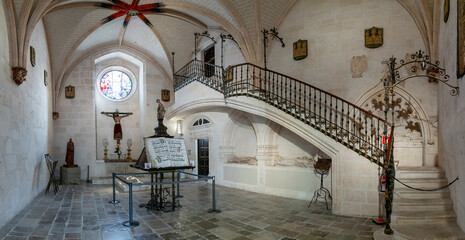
column 130, row 10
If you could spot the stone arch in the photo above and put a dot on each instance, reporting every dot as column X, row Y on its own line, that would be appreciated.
column 336, row 151
column 413, row 127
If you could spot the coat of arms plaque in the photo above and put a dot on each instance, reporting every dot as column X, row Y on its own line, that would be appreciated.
column 373, row 37
column 165, row 95
column 299, row 49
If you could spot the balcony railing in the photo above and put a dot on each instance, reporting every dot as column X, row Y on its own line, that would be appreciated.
column 354, row 127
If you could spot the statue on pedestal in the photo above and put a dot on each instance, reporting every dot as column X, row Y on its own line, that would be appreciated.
column 160, row 131
column 70, row 155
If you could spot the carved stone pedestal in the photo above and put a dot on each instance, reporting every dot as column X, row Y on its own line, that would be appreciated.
column 70, row 176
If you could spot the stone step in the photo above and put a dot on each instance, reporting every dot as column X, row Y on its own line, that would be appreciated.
column 419, row 172
column 102, row 180
column 412, row 217
column 422, row 231
column 423, row 183
column 414, row 194
column 433, row 204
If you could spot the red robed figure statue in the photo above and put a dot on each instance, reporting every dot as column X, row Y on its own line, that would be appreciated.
column 117, row 130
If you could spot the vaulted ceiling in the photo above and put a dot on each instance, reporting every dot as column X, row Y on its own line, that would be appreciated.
column 75, row 28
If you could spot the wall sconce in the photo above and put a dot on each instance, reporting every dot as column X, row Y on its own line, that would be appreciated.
column 179, row 127
column 69, row 91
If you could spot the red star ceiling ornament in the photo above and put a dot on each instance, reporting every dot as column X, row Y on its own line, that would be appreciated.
column 130, row 10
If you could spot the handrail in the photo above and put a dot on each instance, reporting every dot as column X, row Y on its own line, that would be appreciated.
column 206, row 73
column 319, row 89
column 345, row 122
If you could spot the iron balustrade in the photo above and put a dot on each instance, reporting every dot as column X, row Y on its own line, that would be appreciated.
column 348, row 124
column 206, row 73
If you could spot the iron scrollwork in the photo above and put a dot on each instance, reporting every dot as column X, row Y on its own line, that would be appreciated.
column 197, row 36
column 420, row 66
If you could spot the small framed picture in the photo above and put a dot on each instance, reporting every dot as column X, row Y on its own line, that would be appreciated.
column 45, row 78
column 192, row 163
column 147, row 165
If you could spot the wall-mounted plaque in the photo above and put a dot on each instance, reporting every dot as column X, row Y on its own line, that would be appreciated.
column 446, row 10
column 45, row 78
column 32, row 53
column 165, row 95
column 373, row 37
column 299, row 50
column 70, row 92
column 460, row 38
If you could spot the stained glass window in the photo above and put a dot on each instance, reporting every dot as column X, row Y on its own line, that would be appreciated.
column 116, row 85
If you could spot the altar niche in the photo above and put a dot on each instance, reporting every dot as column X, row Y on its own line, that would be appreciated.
column 118, row 135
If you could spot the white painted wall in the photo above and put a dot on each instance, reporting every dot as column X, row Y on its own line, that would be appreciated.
column 26, row 131
column 451, row 115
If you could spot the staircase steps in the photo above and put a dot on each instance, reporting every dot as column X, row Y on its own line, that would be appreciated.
column 407, row 193
column 423, row 214
column 433, row 204
column 413, row 206
column 419, row 172
column 430, row 217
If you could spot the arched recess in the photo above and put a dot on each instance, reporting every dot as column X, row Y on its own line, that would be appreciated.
column 413, row 128
column 243, row 149
column 336, row 151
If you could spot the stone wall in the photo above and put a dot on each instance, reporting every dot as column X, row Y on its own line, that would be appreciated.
column 335, row 33
column 81, row 120
column 451, row 115
column 244, row 153
column 26, row 130
column 353, row 180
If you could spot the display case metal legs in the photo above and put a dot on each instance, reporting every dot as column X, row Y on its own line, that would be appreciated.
column 157, row 193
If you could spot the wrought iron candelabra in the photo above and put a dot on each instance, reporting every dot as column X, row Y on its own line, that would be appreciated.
column 274, row 32
column 419, row 65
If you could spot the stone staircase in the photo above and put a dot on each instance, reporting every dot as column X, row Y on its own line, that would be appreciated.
column 423, row 214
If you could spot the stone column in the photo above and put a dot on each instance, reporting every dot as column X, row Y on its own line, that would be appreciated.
column 265, row 157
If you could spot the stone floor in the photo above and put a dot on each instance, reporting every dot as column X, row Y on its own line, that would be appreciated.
column 83, row 212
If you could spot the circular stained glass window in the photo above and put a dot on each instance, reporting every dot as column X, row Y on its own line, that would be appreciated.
column 116, row 85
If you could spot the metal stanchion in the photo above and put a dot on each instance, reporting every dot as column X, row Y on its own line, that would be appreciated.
column 131, row 222
column 178, row 195
column 213, row 209
column 114, row 200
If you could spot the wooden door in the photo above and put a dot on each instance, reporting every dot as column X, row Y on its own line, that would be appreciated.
column 203, row 156
column 209, row 57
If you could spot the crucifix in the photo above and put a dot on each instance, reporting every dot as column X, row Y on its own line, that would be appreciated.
column 117, row 130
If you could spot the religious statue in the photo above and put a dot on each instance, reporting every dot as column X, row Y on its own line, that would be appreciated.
column 160, row 110
column 160, row 131
column 70, row 155
column 117, row 130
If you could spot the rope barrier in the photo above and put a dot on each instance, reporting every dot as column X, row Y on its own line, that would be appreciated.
column 427, row 190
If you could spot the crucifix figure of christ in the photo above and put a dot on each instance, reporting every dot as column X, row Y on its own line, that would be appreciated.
column 117, row 130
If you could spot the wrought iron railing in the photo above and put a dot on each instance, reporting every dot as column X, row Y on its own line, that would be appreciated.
column 206, row 73
column 348, row 124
